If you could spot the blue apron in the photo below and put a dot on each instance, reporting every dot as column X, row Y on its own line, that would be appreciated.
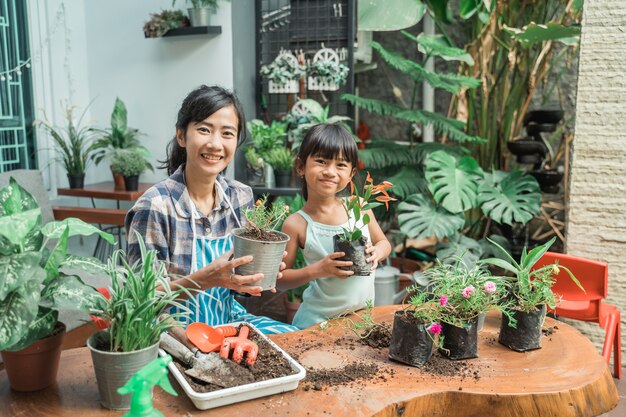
column 217, row 305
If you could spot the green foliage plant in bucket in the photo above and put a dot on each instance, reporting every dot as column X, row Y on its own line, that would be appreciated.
column 463, row 294
column 260, row 239
column 282, row 160
column 414, row 330
column 130, row 163
column 530, row 293
column 35, row 285
column 139, row 295
column 351, row 241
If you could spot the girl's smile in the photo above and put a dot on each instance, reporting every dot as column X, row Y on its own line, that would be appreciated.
column 326, row 175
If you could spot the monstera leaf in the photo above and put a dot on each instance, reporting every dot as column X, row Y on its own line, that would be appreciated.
column 453, row 182
column 516, row 198
column 419, row 218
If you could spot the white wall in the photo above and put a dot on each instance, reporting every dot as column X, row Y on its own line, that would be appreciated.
column 109, row 57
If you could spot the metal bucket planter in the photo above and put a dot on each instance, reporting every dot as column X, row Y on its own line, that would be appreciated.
column 410, row 341
column 527, row 334
column 460, row 342
column 355, row 252
column 114, row 369
column 35, row 367
column 200, row 16
column 267, row 257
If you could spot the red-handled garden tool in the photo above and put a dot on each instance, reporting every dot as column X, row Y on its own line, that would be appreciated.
column 239, row 345
column 206, row 338
column 101, row 323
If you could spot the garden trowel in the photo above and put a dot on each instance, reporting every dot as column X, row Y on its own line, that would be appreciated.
column 209, row 367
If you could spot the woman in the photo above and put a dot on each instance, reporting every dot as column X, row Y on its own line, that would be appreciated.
column 188, row 217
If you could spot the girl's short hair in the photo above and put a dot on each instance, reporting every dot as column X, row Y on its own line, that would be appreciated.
column 330, row 141
column 197, row 106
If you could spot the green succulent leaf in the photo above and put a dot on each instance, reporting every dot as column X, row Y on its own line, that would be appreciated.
column 77, row 227
column 419, row 218
column 515, row 199
column 453, row 182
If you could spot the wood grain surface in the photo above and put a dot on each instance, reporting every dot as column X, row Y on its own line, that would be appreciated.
column 567, row 377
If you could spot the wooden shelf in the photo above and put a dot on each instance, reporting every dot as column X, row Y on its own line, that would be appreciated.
column 194, row 30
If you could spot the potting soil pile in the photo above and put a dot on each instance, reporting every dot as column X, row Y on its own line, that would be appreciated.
column 262, row 235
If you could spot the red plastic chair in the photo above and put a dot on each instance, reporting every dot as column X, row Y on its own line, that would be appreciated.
column 576, row 304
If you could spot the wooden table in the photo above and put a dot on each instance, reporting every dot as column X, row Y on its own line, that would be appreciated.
column 106, row 190
column 568, row 377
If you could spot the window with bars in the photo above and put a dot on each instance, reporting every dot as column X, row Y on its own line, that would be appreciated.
column 17, row 136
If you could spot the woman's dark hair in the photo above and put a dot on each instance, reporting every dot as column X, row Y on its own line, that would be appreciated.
column 330, row 141
column 197, row 106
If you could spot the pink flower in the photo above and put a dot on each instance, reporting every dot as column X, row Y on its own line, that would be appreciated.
column 468, row 291
column 434, row 328
column 443, row 300
column 489, row 287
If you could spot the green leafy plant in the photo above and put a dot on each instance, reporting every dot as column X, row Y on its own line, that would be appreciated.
column 118, row 136
column 329, row 71
column 140, row 294
column 426, row 311
column 160, row 23
column 361, row 201
column 129, row 162
column 34, row 285
column 281, row 159
column 252, row 158
column 531, row 287
column 264, row 219
column 74, row 143
column 283, row 69
column 361, row 324
column 266, row 137
column 463, row 293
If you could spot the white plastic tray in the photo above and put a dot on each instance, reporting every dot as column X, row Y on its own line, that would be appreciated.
column 225, row 396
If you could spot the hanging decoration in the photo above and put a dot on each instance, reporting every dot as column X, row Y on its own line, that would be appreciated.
column 326, row 73
column 283, row 73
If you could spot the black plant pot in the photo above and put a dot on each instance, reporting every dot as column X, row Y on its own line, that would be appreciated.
column 460, row 342
column 355, row 252
column 131, row 182
column 527, row 334
column 76, row 180
column 544, row 116
column 548, row 180
column 283, row 178
column 410, row 342
column 527, row 150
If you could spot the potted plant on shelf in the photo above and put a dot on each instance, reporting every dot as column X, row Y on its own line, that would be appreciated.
column 130, row 163
column 139, row 295
column 463, row 294
column 160, row 23
column 201, row 11
column 326, row 73
column 255, row 165
column 265, row 138
column 260, row 239
column 414, row 329
column 351, row 241
column 282, row 160
column 530, row 292
column 34, row 287
column 283, row 73
column 118, row 136
column 74, row 145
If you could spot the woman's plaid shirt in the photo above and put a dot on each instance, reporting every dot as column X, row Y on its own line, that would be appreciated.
column 162, row 216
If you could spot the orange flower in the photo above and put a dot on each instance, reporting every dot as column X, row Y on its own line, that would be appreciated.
column 258, row 202
column 385, row 199
column 380, row 188
column 351, row 187
column 369, row 178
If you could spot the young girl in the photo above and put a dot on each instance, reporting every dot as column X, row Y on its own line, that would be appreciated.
column 326, row 163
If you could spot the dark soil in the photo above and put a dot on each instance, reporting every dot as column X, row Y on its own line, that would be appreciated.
column 379, row 337
column 262, row 235
column 319, row 378
column 439, row 365
column 269, row 364
column 355, row 252
column 549, row 331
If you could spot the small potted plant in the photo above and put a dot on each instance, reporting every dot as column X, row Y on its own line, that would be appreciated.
column 34, row 287
column 160, row 23
column 265, row 138
column 530, row 292
column 118, row 136
column 463, row 294
column 326, row 73
column 130, row 163
column 282, row 160
column 414, row 330
column 260, row 239
column 200, row 11
column 255, row 164
column 351, row 241
column 74, row 145
column 139, row 295
column 283, row 73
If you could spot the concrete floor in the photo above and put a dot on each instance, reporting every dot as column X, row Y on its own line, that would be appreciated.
column 620, row 410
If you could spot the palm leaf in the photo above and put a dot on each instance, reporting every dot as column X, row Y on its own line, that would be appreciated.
column 515, row 199
column 385, row 153
column 452, row 83
column 419, row 218
column 436, row 45
column 408, row 180
column 453, row 182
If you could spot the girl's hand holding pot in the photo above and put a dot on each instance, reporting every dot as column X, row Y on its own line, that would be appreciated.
column 330, row 266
